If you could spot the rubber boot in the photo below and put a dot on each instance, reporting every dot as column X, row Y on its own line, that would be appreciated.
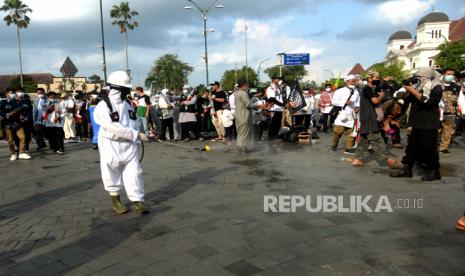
column 140, row 207
column 432, row 176
column 118, row 207
column 405, row 172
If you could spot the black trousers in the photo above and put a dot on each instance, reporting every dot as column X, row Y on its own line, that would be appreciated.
column 81, row 129
column 324, row 121
column 167, row 124
column 40, row 135
column 302, row 119
column 275, row 125
column 56, row 138
column 422, row 146
column 189, row 127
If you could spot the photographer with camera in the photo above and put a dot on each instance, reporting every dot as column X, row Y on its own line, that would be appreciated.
column 425, row 93
column 11, row 113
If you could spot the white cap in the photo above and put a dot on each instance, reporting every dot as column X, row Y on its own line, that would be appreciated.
column 349, row 78
column 164, row 92
column 119, row 78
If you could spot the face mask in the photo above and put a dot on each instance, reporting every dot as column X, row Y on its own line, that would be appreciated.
column 449, row 78
column 52, row 100
column 94, row 97
column 280, row 83
column 20, row 94
column 328, row 89
column 40, row 96
column 12, row 96
column 351, row 86
column 376, row 82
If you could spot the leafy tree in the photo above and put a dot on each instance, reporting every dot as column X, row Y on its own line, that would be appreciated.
column 29, row 85
column 231, row 76
column 201, row 88
column 122, row 16
column 17, row 15
column 289, row 73
column 94, row 79
column 451, row 56
column 168, row 72
column 393, row 68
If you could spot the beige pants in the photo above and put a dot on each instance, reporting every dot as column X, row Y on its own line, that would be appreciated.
column 448, row 125
column 338, row 132
column 10, row 134
column 218, row 123
column 69, row 126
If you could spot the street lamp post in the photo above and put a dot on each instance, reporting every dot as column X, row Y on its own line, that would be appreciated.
column 246, row 56
column 204, row 13
column 260, row 67
column 445, row 40
column 104, row 65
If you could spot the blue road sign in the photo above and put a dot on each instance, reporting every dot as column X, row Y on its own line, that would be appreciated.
column 296, row 59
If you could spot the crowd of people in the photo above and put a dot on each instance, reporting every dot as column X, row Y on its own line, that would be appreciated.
column 369, row 111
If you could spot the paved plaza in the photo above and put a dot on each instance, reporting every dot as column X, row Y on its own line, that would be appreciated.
column 207, row 216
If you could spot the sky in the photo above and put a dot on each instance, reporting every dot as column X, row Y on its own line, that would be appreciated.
column 337, row 34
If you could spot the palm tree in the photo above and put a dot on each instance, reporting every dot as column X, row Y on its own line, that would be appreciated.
column 122, row 16
column 17, row 11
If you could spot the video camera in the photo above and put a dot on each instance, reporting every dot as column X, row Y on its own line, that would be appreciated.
column 414, row 80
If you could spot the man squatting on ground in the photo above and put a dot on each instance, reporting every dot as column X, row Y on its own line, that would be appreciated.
column 118, row 138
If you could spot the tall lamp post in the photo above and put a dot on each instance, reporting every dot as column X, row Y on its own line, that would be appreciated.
column 281, row 55
column 104, row 64
column 246, row 56
column 204, row 13
column 260, row 67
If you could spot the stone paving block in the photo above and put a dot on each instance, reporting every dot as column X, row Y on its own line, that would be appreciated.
column 203, row 251
column 242, row 268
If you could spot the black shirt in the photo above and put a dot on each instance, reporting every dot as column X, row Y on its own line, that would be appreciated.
column 424, row 114
column 219, row 95
column 368, row 122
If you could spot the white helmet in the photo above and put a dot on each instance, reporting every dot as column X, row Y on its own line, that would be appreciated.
column 119, row 78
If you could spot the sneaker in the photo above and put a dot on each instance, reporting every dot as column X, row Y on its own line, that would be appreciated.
column 13, row 157
column 24, row 156
column 461, row 224
column 357, row 163
column 60, row 152
column 446, row 152
column 349, row 151
column 334, row 148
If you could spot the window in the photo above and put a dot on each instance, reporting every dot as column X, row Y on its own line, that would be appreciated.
column 401, row 47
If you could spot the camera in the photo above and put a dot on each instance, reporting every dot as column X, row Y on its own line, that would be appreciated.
column 414, row 80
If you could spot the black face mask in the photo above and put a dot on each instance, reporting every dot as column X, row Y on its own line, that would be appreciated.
column 376, row 82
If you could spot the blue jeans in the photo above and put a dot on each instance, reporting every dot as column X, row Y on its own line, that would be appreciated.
column 143, row 125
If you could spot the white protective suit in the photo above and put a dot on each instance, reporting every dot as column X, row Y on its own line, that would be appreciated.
column 117, row 142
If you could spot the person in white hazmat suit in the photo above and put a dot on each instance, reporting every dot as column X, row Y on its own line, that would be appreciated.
column 117, row 143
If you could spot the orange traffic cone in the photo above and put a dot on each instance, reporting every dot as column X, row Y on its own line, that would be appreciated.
column 461, row 224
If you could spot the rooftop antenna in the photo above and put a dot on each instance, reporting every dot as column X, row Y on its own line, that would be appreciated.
column 433, row 8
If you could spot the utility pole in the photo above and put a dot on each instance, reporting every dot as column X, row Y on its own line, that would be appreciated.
column 104, row 65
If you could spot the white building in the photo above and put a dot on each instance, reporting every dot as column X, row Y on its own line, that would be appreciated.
column 432, row 30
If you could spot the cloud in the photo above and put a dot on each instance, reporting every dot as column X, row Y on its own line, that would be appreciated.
column 402, row 12
column 265, row 40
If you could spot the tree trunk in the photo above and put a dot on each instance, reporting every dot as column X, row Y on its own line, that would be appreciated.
column 20, row 59
column 126, row 45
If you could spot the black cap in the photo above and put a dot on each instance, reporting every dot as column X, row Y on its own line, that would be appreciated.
column 215, row 83
column 462, row 74
column 51, row 93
